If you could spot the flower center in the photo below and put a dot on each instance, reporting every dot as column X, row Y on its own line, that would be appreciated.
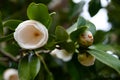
column 30, row 35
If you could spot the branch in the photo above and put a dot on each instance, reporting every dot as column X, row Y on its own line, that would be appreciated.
column 9, row 56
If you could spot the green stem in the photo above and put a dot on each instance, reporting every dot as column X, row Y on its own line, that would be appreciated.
column 46, row 68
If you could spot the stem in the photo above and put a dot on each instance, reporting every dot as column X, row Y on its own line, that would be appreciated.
column 46, row 68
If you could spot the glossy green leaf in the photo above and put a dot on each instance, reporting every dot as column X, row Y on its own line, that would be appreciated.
column 106, row 59
column 94, row 6
column 1, row 25
column 39, row 12
column 34, row 66
column 29, row 67
column 75, row 34
column 12, row 24
column 91, row 27
column 81, row 22
column 6, row 38
column 61, row 34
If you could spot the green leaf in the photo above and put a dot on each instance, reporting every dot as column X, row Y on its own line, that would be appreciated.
column 106, row 59
column 40, row 13
column 61, row 34
column 29, row 67
column 81, row 22
column 6, row 38
column 68, row 46
column 12, row 48
column 94, row 6
column 75, row 34
column 12, row 24
column 76, row 9
column 91, row 27
column 101, row 38
column 72, row 28
column 1, row 25
column 51, row 43
column 34, row 66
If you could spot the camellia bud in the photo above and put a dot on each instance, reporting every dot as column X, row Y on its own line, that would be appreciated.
column 31, row 34
column 11, row 74
column 62, row 54
column 86, row 59
column 86, row 39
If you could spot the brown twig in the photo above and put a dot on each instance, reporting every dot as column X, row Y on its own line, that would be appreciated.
column 9, row 56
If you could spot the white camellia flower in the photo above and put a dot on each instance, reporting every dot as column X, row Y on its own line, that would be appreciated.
column 86, row 39
column 10, row 74
column 62, row 54
column 86, row 59
column 31, row 34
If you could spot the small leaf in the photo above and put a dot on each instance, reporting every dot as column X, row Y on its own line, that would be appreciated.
column 94, row 6
column 61, row 34
column 81, row 22
column 29, row 67
column 40, row 13
column 75, row 34
column 6, row 38
column 68, row 46
column 91, row 27
column 1, row 25
column 106, row 59
column 12, row 24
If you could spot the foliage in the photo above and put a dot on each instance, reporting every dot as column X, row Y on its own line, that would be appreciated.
column 64, row 29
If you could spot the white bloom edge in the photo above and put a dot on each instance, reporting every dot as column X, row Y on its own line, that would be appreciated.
column 38, row 26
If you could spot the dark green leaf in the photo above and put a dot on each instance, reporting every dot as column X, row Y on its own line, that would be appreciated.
column 12, row 48
column 101, row 38
column 12, row 24
column 61, row 34
column 106, row 59
column 68, row 46
column 6, row 38
column 1, row 25
column 94, row 6
column 39, row 12
column 75, row 34
column 76, row 9
column 29, row 67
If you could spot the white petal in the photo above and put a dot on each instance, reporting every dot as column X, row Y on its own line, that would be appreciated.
column 10, row 72
column 31, row 34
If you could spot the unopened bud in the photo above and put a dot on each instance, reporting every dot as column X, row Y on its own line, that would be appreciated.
column 86, row 39
column 86, row 59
